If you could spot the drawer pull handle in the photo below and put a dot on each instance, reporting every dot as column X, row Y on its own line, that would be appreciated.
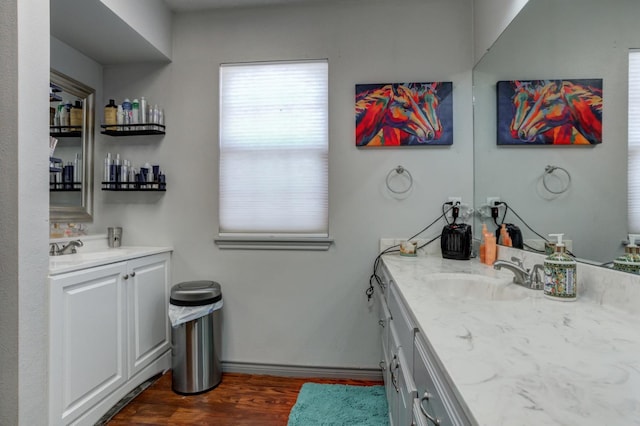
column 434, row 420
column 394, row 378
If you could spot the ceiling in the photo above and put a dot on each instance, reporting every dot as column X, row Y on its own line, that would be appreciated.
column 188, row 5
column 96, row 31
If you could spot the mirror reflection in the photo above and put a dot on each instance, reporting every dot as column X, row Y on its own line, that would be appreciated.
column 585, row 195
column 71, row 130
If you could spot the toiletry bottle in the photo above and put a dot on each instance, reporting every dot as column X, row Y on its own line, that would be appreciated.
column 143, row 112
column 491, row 249
column 560, row 278
column 630, row 260
column 75, row 116
column 77, row 171
column 111, row 114
column 635, row 250
column 107, row 166
column 483, row 244
column 64, row 116
column 135, row 113
column 127, row 112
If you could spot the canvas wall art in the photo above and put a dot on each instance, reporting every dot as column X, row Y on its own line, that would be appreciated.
column 550, row 112
column 404, row 114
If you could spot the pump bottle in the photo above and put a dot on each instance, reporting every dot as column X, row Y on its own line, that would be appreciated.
column 560, row 278
column 630, row 260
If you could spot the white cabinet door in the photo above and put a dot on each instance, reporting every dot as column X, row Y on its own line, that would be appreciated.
column 87, row 338
column 147, row 286
column 407, row 392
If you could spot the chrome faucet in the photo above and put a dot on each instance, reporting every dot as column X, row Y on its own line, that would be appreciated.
column 69, row 248
column 521, row 275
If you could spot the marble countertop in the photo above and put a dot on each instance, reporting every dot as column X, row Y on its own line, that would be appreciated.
column 519, row 358
column 93, row 254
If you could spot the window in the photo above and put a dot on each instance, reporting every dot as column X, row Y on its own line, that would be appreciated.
column 633, row 169
column 273, row 151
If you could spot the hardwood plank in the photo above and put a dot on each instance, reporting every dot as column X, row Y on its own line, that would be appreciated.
column 241, row 399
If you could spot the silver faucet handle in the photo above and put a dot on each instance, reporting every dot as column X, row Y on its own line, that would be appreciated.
column 536, row 282
column 53, row 249
column 517, row 261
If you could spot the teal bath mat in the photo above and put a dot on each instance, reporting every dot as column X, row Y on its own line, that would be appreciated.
column 335, row 405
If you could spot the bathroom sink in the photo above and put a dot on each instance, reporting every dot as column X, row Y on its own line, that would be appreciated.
column 91, row 258
column 475, row 287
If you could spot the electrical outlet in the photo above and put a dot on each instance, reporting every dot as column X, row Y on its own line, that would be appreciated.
column 491, row 201
column 455, row 200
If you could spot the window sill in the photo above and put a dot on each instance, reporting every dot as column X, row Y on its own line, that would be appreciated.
column 271, row 243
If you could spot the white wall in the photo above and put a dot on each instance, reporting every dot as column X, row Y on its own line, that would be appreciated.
column 283, row 307
column 150, row 18
column 490, row 18
column 24, row 49
column 78, row 66
column 580, row 39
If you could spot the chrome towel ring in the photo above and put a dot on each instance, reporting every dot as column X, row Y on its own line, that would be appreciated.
column 549, row 170
column 402, row 172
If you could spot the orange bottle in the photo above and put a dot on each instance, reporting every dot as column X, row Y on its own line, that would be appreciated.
column 490, row 249
column 483, row 243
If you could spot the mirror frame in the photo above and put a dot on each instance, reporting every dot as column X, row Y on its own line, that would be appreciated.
column 84, row 212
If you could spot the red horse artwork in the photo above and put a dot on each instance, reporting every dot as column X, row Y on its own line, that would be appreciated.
column 403, row 114
column 550, row 112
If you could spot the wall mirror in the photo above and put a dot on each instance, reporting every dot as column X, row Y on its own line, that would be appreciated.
column 71, row 123
column 571, row 39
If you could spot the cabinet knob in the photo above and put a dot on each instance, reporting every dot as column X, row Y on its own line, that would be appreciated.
column 381, row 322
column 394, row 365
column 133, row 274
column 126, row 276
column 433, row 419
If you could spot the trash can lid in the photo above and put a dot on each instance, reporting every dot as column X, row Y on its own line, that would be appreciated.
column 195, row 293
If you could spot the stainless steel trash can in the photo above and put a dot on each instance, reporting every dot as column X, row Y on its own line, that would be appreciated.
column 196, row 344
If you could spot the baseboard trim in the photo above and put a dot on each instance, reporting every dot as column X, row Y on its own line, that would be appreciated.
column 302, row 371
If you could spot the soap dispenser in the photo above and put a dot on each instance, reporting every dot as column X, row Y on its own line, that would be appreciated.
column 560, row 278
column 630, row 260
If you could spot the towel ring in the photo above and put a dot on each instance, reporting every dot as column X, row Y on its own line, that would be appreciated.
column 550, row 170
column 399, row 171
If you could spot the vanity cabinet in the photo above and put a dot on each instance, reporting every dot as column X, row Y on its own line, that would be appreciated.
column 397, row 369
column 109, row 332
column 417, row 389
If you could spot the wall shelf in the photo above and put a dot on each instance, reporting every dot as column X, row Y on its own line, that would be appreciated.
column 65, row 131
column 132, row 129
column 134, row 186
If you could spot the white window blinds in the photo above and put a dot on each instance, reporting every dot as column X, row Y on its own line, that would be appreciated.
column 633, row 169
column 274, row 149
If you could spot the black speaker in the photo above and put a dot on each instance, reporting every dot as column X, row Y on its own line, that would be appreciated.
column 514, row 233
column 455, row 241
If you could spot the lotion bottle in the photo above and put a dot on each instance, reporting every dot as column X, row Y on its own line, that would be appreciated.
column 560, row 278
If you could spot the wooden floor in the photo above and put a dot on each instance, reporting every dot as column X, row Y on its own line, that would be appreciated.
column 240, row 399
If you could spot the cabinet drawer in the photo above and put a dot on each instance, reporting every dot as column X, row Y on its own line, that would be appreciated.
column 384, row 320
column 435, row 396
column 404, row 324
column 385, row 279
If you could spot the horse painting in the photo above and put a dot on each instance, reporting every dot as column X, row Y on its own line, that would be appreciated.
column 403, row 114
column 550, row 112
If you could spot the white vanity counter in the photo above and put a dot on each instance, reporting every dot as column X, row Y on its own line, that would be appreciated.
column 101, row 256
column 518, row 358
